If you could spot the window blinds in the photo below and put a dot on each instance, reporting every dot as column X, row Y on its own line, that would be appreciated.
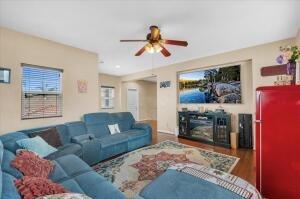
column 107, row 97
column 41, row 92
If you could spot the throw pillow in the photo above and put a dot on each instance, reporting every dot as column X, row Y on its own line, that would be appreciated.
column 117, row 128
column 50, row 135
column 31, row 164
column 65, row 196
column 33, row 187
column 37, row 145
column 114, row 128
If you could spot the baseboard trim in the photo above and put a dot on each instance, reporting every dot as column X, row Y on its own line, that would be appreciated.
column 164, row 131
column 145, row 120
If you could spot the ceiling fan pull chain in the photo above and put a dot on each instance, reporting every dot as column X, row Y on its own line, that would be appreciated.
column 152, row 58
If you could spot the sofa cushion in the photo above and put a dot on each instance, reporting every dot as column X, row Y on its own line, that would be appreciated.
column 9, row 140
column 93, row 185
column 97, row 123
column 50, row 135
column 79, row 138
column 125, row 120
column 76, row 128
column 113, row 145
column 137, row 138
column 143, row 126
column 9, row 190
column 8, row 156
column 70, row 148
column 67, row 167
column 135, row 134
column 113, row 140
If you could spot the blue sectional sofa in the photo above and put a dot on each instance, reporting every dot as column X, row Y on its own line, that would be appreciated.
column 89, row 140
column 70, row 171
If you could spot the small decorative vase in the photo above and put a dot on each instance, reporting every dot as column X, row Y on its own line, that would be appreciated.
column 291, row 70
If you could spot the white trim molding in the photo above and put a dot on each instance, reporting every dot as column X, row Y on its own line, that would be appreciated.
column 165, row 131
column 137, row 102
column 145, row 119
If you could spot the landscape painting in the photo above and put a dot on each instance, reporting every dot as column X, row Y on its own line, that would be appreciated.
column 217, row 85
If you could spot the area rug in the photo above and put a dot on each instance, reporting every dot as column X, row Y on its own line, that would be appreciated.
column 131, row 172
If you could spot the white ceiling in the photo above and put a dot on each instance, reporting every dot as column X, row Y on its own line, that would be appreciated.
column 210, row 26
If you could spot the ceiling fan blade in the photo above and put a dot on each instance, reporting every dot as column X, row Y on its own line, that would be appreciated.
column 141, row 51
column 174, row 42
column 154, row 33
column 133, row 40
column 164, row 51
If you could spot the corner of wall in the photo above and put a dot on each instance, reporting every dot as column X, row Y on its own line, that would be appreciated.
column 298, row 38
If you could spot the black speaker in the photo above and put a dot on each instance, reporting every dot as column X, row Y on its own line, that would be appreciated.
column 245, row 131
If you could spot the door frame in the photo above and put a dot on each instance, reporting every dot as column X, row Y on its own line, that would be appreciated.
column 137, row 102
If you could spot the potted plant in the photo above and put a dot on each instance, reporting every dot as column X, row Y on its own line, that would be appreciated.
column 289, row 55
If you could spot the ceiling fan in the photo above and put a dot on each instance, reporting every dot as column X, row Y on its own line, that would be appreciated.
column 156, row 43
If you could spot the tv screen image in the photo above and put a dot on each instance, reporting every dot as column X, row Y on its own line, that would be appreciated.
column 216, row 85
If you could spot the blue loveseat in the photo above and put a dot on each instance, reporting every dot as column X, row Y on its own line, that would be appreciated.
column 89, row 140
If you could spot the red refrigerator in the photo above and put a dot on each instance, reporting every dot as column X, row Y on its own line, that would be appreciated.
column 278, row 142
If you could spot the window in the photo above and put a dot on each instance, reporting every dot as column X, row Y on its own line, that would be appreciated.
column 107, row 97
column 41, row 92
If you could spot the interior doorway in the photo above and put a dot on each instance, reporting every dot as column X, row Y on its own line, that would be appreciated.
column 141, row 98
column 133, row 102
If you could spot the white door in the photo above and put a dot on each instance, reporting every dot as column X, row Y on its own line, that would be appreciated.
column 133, row 102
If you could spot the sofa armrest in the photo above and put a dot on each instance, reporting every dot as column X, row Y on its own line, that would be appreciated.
column 91, row 148
column 143, row 126
column 81, row 138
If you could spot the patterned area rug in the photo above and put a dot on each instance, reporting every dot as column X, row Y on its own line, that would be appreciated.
column 131, row 172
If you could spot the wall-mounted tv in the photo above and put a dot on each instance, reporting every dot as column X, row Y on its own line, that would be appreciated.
column 215, row 85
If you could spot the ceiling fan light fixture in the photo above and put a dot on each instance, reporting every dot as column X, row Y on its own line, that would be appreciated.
column 149, row 48
column 153, row 48
column 157, row 47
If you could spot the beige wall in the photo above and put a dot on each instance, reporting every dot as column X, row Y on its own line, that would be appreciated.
column 298, row 39
column 167, row 105
column 114, row 81
column 147, row 98
column 147, row 95
column 17, row 48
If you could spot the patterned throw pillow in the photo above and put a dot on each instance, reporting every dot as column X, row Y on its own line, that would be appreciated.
column 31, row 164
column 65, row 196
column 33, row 187
column 50, row 135
column 114, row 128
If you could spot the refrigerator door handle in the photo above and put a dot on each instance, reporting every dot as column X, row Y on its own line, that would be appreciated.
column 258, row 121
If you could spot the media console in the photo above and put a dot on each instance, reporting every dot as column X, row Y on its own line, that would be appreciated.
column 209, row 127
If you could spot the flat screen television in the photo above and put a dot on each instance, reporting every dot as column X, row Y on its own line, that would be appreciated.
column 216, row 85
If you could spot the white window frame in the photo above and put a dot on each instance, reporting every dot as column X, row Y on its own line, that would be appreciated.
column 44, row 91
column 111, row 98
